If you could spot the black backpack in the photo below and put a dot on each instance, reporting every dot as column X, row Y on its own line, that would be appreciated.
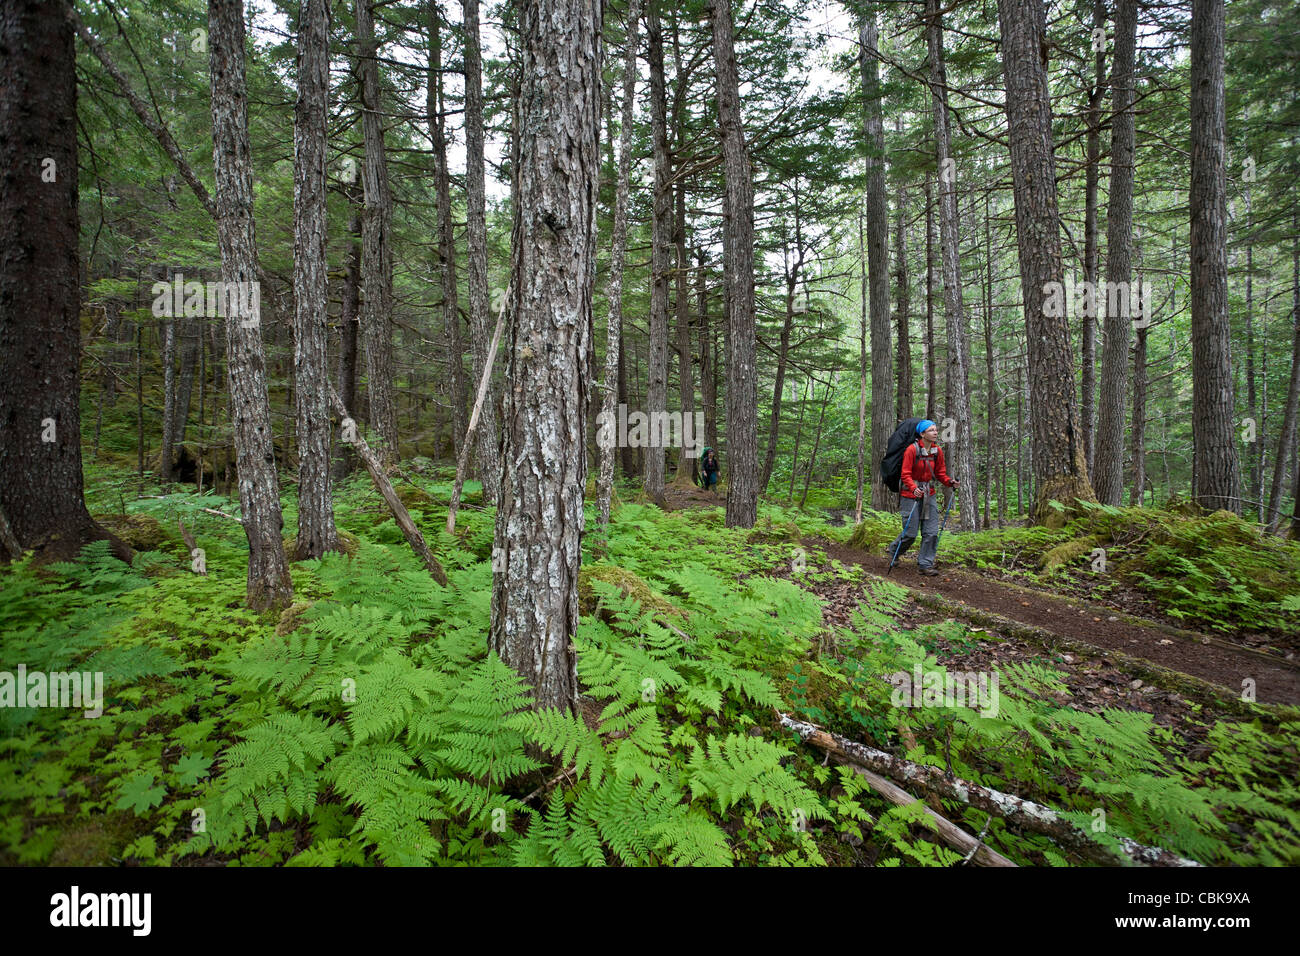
column 891, row 466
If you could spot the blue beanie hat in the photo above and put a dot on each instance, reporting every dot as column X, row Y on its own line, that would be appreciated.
column 925, row 423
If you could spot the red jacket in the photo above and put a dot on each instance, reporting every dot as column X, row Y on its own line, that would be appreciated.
column 921, row 466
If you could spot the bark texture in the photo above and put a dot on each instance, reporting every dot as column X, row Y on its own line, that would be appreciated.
column 540, row 518
column 480, row 325
column 1291, row 408
column 259, row 485
column 656, row 394
column 958, row 378
column 618, row 250
column 1108, row 473
column 1217, row 477
column 1092, row 176
column 903, row 301
column 883, row 416
column 376, row 246
column 40, row 290
column 738, row 214
column 435, row 107
column 682, row 308
column 316, row 531
column 1057, row 449
column 349, row 325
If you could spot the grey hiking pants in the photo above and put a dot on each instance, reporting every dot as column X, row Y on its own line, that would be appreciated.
column 927, row 516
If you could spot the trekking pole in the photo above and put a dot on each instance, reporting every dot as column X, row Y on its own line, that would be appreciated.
column 906, row 527
column 945, row 519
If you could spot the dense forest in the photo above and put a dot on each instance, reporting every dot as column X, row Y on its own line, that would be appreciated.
column 710, row 432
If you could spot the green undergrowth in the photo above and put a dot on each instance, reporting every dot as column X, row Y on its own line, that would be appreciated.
column 368, row 725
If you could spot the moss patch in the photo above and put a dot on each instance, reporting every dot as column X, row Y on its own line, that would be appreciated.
column 141, row 532
column 768, row 530
column 629, row 584
column 1068, row 551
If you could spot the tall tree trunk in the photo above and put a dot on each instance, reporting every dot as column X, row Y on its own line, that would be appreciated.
column 376, row 247
column 349, row 322
column 1138, row 452
column 539, row 516
column 1020, row 444
column 1108, row 474
column 40, row 287
column 883, row 419
column 685, row 377
column 929, row 300
column 864, row 294
column 1256, row 458
column 708, row 370
column 1092, row 174
column 798, row 435
column 259, row 485
column 1057, row 455
column 959, row 361
column 742, row 384
column 165, row 454
column 627, row 454
column 817, row 442
column 190, row 338
column 990, row 365
column 480, row 324
column 1287, row 436
column 316, row 531
column 903, row 298
column 1218, row 472
column 618, row 251
column 783, row 349
column 656, row 398
column 435, row 107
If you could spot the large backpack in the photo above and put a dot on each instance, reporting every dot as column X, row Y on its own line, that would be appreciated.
column 891, row 466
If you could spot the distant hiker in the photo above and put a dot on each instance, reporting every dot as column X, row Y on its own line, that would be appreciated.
column 922, row 464
column 709, row 469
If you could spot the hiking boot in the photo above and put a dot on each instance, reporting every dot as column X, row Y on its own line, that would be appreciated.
column 930, row 572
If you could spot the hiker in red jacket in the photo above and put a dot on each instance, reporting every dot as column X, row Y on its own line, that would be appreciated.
column 922, row 464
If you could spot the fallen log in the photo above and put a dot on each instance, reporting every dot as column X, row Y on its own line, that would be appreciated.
column 945, row 829
column 376, row 470
column 190, row 544
column 1015, row 810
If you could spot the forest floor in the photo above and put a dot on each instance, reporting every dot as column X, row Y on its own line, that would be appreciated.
column 986, row 600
